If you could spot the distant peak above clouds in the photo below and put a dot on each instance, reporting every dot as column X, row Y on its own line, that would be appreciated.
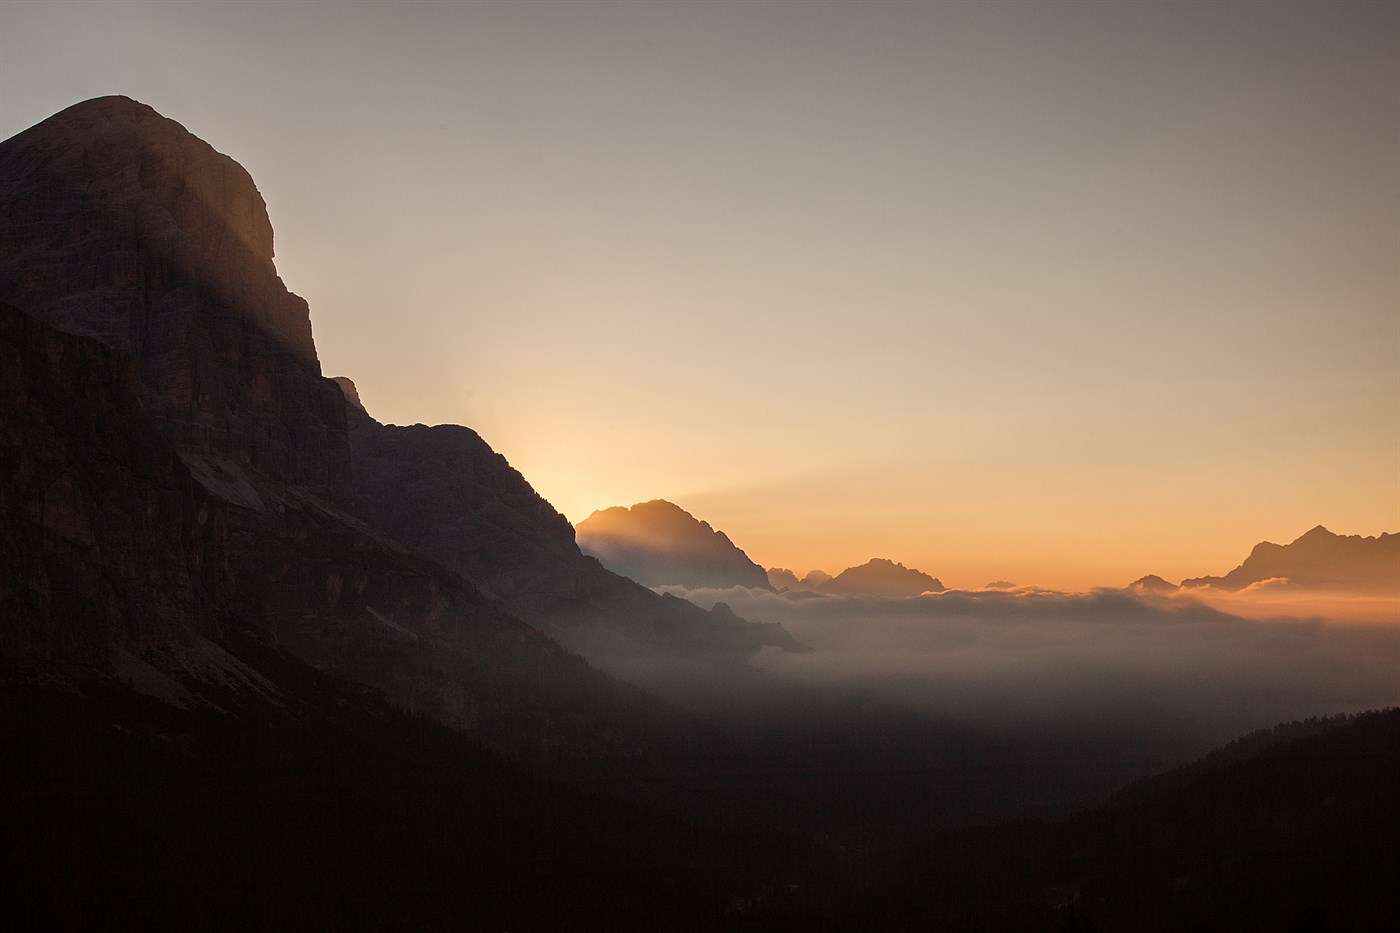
column 882, row 577
column 876, row 577
column 1152, row 584
column 658, row 543
column 1317, row 560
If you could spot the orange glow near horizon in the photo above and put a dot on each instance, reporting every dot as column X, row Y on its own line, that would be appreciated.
column 1127, row 307
column 1368, row 609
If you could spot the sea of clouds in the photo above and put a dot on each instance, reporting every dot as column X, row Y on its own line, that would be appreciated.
column 1105, row 662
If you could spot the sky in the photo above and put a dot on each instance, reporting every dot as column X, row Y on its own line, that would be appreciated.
column 1054, row 293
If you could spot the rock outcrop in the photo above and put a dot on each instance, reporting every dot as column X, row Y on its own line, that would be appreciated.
column 658, row 543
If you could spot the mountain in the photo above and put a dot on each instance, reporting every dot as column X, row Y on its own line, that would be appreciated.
column 881, row 577
column 780, row 578
column 179, row 473
column 658, row 543
column 1152, row 584
column 230, row 698
column 876, row 577
column 122, row 226
column 1319, row 560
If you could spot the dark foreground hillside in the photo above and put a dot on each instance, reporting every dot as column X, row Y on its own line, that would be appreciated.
column 1301, row 835
column 339, row 814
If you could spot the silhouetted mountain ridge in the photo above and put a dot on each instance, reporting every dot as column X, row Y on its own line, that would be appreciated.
column 658, row 543
column 1316, row 560
column 881, row 577
column 1321, row 560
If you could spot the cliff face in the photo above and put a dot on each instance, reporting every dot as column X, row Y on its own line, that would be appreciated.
column 120, row 225
column 658, row 543
column 108, row 547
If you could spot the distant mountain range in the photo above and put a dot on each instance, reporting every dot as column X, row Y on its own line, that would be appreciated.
column 661, row 544
column 1318, row 560
column 658, row 544
column 875, row 577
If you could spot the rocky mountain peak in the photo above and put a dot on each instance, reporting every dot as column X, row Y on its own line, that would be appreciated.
column 199, row 207
column 1318, row 559
column 121, row 225
column 658, row 543
column 882, row 577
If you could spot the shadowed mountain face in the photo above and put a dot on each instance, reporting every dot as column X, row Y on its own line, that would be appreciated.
column 109, row 550
column 176, row 471
column 1319, row 560
column 658, row 543
column 122, row 226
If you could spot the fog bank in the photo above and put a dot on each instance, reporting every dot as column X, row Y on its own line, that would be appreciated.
column 1106, row 662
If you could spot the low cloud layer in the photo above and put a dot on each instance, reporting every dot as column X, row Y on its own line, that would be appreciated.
column 1102, row 662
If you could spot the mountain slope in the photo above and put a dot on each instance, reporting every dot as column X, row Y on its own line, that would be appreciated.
column 446, row 494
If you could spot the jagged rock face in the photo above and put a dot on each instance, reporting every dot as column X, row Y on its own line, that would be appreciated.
column 120, row 225
column 1319, row 560
column 658, row 543
column 107, row 545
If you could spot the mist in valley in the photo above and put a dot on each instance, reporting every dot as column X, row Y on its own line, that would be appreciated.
column 1001, row 703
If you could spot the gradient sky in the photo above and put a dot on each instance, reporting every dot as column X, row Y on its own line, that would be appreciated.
column 1058, row 293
